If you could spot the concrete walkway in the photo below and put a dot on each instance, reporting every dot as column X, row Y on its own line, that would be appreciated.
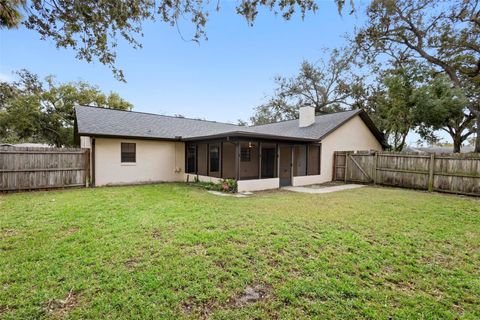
column 236, row 195
column 324, row 189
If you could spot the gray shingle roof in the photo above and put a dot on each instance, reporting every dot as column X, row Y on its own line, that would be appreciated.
column 323, row 125
column 109, row 122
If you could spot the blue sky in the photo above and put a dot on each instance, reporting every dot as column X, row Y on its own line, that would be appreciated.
column 220, row 79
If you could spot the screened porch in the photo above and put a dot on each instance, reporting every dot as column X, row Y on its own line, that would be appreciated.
column 242, row 159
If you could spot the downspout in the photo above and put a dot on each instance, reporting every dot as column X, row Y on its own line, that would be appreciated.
column 93, row 162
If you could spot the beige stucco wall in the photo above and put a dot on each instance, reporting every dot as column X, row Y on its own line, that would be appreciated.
column 258, row 184
column 156, row 161
column 307, row 180
column 354, row 135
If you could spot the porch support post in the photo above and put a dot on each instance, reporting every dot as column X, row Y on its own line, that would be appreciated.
column 259, row 160
column 221, row 159
column 237, row 161
column 307, row 146
column 291, row 162
column 278, row 159
column 208, row 159
column 196, row 159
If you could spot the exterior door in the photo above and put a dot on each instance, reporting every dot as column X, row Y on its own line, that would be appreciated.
column 268, row 162
column 285, row 165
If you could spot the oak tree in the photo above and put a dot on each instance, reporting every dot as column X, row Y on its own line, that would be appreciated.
column 36, row 110
column 444, row 34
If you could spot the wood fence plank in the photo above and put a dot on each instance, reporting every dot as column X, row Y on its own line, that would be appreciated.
column 431, row 172
column 459, row 174
column 346, row 166
column 42, row 168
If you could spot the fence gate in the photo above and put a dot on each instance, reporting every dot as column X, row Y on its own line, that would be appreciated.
column 353, row 167
column 452, row 173
column 42, row 168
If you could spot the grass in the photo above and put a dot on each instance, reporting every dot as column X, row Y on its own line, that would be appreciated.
column 173, row 251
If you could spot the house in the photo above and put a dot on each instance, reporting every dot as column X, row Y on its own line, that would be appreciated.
column 27, row 145
column 438, row 149
column 134, row 147
column 33, row 145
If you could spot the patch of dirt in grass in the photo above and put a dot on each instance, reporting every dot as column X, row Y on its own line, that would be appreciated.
column 440, row 260
column 251, row 294
column 4, row 309
column 204, row 310
column 188, row 306
column 458, row 308
column 131, row 263
column 6, row 247
column 60, row 308
column 8, row 233
column 156, row 234
column 194, row 250
column 220, row 264
column 71, row 231
column 406, row 287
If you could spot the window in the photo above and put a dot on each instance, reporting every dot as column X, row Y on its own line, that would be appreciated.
column 191, row 158
column 245, row 154
column 214, row 158
column 128, row 152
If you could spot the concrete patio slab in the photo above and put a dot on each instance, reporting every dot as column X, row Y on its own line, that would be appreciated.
column 236, row 195
column 324, row 190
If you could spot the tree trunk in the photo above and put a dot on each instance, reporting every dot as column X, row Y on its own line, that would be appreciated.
column 457, row 142
column 477, row 140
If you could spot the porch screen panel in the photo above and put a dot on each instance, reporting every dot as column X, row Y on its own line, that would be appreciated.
column 300, row 161
column 228, row 160
column 314, row 159
column 202, row 155
column 269, row 160
column 214, row 160
column 191, row 158
column 249, row 160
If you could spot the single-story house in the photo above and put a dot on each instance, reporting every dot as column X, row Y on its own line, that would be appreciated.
column 438, row 149
column 134, row 147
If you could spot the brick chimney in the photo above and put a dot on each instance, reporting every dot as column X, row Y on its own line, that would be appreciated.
column 307, row 116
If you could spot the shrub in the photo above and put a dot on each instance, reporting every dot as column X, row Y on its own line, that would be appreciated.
column 229, row 185
column 226, row 185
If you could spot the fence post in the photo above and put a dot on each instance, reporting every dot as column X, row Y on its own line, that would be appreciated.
column 430, row 172
column 375, row 163
column 346, row 165
column 334, row 169
column 87, row 168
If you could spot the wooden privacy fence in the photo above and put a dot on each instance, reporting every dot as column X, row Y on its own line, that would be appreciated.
column 42, row 168
column 452, row 173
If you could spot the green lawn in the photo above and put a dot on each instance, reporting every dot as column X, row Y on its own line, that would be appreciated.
column 174, row 251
